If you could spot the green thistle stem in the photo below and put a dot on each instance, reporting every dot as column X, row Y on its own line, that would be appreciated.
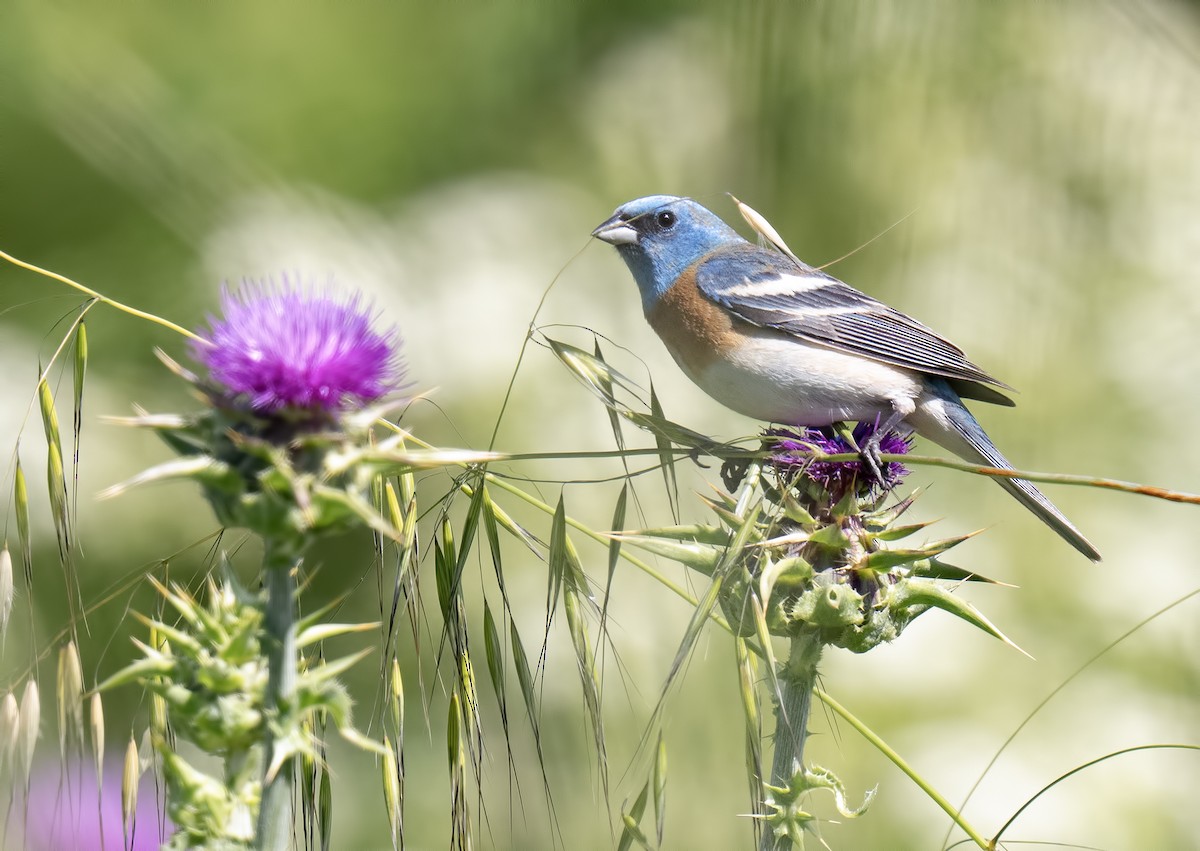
column 275, row 813
column 797, row 678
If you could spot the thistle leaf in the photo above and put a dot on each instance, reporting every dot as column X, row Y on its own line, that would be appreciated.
column 364, row 743
column 897, row 533
column 935, row 569
column 313, row 677
column 206, row 470
column 149, row 666
column 884, row 560
column 920, row 592
column 320, row 632
column 331, row 504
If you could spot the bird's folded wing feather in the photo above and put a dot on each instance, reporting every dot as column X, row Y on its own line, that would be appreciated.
column 773, row 291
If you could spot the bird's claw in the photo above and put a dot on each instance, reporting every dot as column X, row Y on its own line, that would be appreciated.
column 872, row 459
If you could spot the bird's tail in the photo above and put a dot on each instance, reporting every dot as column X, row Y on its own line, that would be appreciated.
column 959, row 431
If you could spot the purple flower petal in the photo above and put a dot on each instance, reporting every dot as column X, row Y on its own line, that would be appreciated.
column 794, row 454
column 284, row 347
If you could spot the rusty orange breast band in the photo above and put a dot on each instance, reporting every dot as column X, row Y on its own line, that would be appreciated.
column 697, row 331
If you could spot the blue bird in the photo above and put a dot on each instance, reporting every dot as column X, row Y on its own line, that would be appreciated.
column 777, row 340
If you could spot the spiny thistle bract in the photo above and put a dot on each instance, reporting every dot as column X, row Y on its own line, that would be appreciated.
column 210, row 670
column 817, row 549
column 828, row 545
column 284, row 447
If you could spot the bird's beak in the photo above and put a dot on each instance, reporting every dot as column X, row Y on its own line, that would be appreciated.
column 616, row 231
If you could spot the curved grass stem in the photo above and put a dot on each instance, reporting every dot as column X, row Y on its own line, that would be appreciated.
column 103, row 299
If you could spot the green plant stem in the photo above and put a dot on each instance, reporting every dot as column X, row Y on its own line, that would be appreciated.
column 275, row 812
column 797, row 679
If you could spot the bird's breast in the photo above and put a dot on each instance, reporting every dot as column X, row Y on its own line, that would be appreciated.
column 696, row 331
column 769, row 374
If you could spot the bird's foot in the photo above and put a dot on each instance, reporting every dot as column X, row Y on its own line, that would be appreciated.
column 870, row 454
column 872, row 459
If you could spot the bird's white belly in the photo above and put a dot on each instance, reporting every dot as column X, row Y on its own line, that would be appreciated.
column 780, row 378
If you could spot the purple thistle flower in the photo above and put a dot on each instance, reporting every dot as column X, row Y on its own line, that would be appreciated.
column 793, row 453
column 284, row 348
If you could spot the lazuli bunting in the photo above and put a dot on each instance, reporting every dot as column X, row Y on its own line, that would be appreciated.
column 777, row 340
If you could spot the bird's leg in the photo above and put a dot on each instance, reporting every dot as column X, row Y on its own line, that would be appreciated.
column 871, row 461
column 870, row 448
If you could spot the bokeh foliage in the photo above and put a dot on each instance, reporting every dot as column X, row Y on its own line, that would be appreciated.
column 450, row 159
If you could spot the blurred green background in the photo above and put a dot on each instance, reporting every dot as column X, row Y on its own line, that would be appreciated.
column 1040, row 163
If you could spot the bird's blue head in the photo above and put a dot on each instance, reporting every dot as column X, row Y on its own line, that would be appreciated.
column 659, row 236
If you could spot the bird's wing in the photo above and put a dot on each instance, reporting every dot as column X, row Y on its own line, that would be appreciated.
column 773, row 291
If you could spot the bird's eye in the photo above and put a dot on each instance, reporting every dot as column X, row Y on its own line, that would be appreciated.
column 665, row 220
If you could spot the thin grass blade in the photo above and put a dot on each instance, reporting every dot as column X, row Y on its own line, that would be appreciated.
column 80, row 374
column 632, row 819
column 666, row 455
column 6, row 592
column 21, row 503
column 606, row 386
column 391, row 789
column 660, row 789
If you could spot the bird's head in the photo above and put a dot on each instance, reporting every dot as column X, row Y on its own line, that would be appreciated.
column 659, row 236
